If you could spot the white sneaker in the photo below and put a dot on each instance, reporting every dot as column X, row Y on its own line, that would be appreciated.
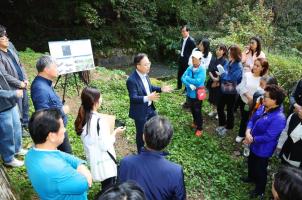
column 222, row 132
column 15, row 163
column 219, row 128
column 216, row 117
column 212, row 113
column 239, row 139
column 22, row 152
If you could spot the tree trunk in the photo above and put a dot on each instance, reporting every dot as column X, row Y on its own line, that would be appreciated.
column 5, row 187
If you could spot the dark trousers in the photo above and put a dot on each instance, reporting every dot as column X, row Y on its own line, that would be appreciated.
column 244, row 118
column 183, row 64
column 257, row 171
column 139, row 125
column 108, row 183
column 65, row 146
column 227, row 100
column 195, row 106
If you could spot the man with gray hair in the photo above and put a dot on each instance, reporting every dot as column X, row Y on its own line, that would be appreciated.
column 43, row 95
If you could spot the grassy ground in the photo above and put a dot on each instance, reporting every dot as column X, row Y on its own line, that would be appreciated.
column 211, row 164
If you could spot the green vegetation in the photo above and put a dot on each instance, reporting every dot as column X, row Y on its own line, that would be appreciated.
column 153, row 26
column 211, row 167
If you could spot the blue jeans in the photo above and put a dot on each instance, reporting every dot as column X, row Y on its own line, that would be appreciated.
column 10, row 133
column 23, row 104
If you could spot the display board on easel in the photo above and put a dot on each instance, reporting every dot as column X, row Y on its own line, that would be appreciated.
column 72, row 56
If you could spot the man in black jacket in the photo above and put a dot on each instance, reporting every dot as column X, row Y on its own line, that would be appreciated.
column 10, row 126
column 295, row 98
column 187, row 45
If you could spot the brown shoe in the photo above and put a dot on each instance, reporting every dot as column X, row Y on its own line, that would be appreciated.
column 193, row 125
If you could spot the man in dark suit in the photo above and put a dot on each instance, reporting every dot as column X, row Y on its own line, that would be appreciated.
column 187, row 45
column 157, row 176
column 142, row 94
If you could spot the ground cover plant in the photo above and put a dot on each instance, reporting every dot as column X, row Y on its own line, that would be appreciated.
column 211, row 164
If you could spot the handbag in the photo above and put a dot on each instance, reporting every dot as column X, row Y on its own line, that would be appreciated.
column 215, row 84
column 201, row 93
column 228, row 88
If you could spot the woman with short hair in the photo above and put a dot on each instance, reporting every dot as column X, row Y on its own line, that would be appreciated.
column 263, row 131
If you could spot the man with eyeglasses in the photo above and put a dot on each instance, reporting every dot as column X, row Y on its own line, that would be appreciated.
column 14, row 73
column 142, row 94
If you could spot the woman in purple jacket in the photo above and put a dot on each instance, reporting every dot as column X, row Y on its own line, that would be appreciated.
column 263, row 131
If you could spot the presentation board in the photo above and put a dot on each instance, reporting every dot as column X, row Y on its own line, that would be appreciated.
column 72, row 55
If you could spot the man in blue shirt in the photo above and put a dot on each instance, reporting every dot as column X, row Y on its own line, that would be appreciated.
column 54, row 175
column 43, row 95
column 159, row 178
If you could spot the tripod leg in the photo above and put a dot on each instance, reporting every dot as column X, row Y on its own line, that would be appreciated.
column 64, row 91
column 76, row 82
column 57, row 82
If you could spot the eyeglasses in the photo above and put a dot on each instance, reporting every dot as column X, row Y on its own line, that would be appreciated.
column 146, row 64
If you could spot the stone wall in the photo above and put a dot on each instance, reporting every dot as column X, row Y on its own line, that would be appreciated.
column 114, row 57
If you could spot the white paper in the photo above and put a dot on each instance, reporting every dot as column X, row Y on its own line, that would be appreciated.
column 220, row 69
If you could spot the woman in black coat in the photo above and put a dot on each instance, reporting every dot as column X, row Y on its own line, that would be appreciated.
column 213, row 84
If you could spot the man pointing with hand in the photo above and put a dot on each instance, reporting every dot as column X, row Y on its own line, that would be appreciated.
column 142, row 95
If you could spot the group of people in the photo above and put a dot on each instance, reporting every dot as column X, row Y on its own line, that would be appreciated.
column 235, row 78
column 241, row 79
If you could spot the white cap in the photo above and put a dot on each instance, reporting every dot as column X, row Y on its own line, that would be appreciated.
column 197, row 54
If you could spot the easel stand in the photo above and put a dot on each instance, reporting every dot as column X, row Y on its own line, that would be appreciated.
column 65, row 84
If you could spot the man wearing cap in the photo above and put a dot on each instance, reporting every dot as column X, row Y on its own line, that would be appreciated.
column 142, row 94
column 14, row 73
column 193, row 78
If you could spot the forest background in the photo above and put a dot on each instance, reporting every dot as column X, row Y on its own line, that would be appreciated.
column 131, row 26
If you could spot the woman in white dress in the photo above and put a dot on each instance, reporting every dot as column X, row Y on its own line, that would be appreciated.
column 97, row 139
